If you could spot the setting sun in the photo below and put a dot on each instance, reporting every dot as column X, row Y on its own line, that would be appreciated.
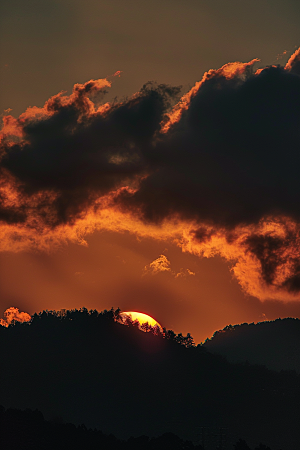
column 141, row 317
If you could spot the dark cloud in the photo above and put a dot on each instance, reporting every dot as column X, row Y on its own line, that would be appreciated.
column 232, row 158
column 225, row 158
column 203, row 234
column 234, row 155
column 274, row 252
column 12, row 215
column 78, row 153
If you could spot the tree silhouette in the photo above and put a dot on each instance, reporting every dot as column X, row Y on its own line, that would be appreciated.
column 262, row 447
column 146, row 327
column 241, row 445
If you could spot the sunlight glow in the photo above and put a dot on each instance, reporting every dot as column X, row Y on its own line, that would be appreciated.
column 141, row 317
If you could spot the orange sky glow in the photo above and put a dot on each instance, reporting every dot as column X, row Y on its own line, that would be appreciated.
column 152, row 198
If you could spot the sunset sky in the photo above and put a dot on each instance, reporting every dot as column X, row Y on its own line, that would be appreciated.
column 177, row 198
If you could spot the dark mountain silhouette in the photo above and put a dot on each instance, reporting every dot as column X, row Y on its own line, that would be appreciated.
column 85, row 367
column 20, row 430
column 273, row 344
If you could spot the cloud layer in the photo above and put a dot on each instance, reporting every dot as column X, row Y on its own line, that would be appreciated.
column 216, row 170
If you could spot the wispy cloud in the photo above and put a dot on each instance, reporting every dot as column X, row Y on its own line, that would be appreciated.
column 184, row 273
column 163, row 264
column 160, row 264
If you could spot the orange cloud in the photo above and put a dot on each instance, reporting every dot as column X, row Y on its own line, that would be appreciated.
column 293, row 64
column 184, row 273
column 160, row 264
column 13, row 314
column 280, row 55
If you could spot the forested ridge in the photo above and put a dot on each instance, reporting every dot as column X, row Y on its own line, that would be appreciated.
column 85, row 367
column 28, row 430
column 274, row 344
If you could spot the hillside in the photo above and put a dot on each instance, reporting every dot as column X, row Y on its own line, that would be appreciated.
column 273, row 344
column 29, row 430
column 84, row 367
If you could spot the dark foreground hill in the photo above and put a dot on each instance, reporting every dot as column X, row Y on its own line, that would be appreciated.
column 85, row 367
column 274, row 344
column 28, row 430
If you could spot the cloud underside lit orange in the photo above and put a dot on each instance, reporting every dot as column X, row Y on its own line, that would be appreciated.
column 155, row 165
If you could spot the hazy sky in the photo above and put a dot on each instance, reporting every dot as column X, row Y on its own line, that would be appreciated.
column 223, row 183
column 48, row 46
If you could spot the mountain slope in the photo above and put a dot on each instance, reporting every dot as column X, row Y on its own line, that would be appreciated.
column 273, row 344
column 87, row 368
